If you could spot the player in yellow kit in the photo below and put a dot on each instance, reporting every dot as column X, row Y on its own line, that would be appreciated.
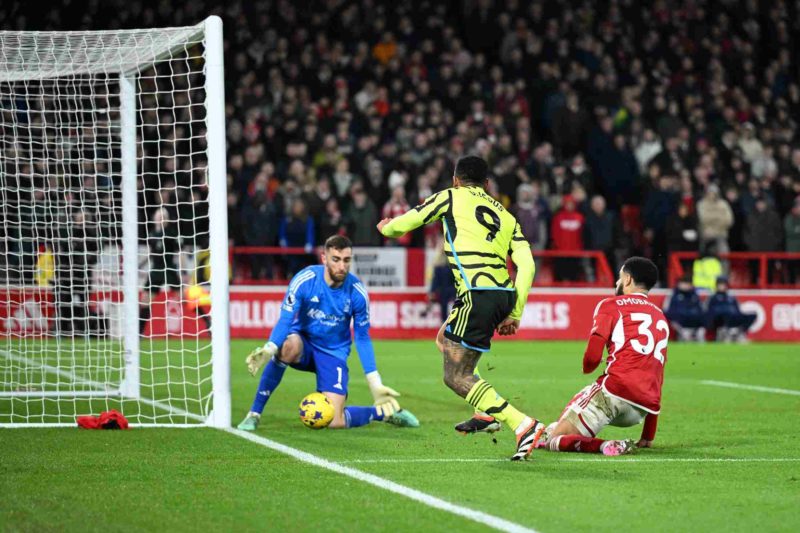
column 479, row 234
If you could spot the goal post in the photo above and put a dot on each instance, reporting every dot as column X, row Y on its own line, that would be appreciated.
column 220, row 416
column 113, row 227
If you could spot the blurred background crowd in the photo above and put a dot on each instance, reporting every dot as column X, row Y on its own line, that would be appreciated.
column 618, row 126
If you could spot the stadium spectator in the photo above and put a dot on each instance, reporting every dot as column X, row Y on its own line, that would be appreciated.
column 343, row 178
column 260, row 222
column 791, row 226
column 736, row 233
column 724, row 317
column 648, row 147
column 681, row 230
column 331, row 222
column 386, row 49
column 601, row 229
column 316, row 198
column 164, row 247
column 570, row 127
column 45, row 267
column 661, row 203
column 715, row 219
column 296, row 230
column 707, row 268
column 361, row 217
column 531, row 212
column 567, row 236
column 763, row 232
column 671, row 160
column 581, row 174
column 685, row 312
column 396, row 206
column 76, row 252
column 750, row 146
column 442, row 290
column 24, row 232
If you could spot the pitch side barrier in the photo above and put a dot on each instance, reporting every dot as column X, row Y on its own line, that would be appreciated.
column 551, row 313
column 395, row 313
column 395, row 266
column 747, row 270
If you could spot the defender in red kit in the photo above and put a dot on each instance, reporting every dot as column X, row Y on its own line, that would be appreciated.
column 635, row 332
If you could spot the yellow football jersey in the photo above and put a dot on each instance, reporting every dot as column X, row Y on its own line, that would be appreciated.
column 479, row 234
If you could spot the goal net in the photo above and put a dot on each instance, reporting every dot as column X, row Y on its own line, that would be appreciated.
column 113, row 230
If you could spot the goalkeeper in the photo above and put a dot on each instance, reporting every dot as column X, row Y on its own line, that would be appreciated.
column 313, row 335
column 479, row 234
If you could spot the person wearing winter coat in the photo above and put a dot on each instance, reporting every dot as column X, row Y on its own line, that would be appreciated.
column 725, row 317
column 685, row 312
column 682, row 235
column 791, row 227
column 763, row 231
column 567, row 235
column 715, row 219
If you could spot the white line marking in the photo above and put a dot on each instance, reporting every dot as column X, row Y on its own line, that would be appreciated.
column 104, row 388
column 750, row 387
column 426, row 499
column 616, row 461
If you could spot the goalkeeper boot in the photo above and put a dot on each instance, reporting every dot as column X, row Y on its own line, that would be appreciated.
column 250, row 422
column 612, row 448
column 478, row 423
column 403, row 418
column 527, row 439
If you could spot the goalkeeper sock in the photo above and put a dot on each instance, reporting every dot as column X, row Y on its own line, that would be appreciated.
column 575, row 443
column 270, row 379
column 360, row 416
column 483, row 397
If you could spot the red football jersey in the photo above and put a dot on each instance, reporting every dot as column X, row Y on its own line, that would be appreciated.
column 636, row 334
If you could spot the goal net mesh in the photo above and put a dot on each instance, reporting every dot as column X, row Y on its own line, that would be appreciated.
column 63, row 321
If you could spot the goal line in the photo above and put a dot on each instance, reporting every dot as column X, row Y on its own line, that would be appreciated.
column 102, row 391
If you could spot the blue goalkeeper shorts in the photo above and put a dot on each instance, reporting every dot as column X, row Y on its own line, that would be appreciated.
column 332, row 373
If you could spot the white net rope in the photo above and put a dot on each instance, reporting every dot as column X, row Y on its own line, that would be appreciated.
column 62, row 318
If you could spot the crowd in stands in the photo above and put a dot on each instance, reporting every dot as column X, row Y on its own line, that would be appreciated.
column 619, row 126
column 625, row 128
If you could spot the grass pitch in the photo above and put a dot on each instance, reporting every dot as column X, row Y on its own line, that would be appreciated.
column 724, row 458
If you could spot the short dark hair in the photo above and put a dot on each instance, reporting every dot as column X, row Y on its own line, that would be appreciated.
column 643, row 271
column 472, row 170
column 338, row 242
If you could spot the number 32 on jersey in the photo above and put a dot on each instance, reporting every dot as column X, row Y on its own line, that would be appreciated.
column 651, row 346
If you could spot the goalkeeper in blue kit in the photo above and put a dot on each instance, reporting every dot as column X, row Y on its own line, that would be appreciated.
column 313, row 335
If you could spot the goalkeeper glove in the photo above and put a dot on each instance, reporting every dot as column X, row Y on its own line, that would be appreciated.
column 260, row 356
column 384, row 396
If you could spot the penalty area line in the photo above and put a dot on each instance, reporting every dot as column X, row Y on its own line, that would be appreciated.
column 480, row 517
column 757, row 388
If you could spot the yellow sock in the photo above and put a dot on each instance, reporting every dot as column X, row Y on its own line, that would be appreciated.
column 478, row 375
column 484, row 398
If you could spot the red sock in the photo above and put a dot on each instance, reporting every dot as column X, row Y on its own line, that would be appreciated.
column 575, row 443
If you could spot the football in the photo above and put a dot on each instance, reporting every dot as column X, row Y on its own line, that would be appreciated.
column 316, row 411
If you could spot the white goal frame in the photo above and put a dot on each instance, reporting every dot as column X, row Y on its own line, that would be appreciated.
column 128, row 67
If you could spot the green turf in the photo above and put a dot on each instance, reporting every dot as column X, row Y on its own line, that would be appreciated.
column 172, row 479
column 174, row 372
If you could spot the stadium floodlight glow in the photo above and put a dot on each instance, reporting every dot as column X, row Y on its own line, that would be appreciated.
column 112, row 146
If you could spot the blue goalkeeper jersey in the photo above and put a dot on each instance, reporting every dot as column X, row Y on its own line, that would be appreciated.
column 323, row 315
